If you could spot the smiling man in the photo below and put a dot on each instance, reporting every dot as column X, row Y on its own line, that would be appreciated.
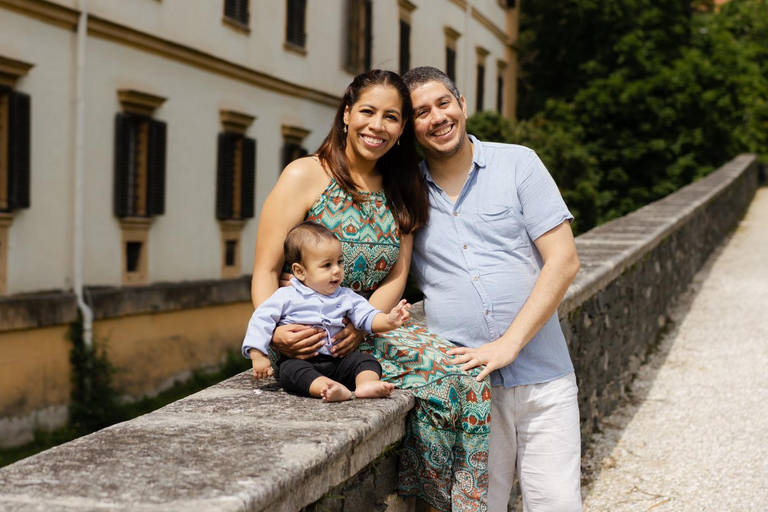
column 494, row 262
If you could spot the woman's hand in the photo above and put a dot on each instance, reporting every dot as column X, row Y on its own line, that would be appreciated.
column 298, row 341
column 346, row 340
column 285, row 279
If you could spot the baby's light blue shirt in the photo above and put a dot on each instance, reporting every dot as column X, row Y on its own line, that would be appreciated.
column 298, row 304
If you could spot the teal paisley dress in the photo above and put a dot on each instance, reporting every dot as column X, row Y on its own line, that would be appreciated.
column 445, row 449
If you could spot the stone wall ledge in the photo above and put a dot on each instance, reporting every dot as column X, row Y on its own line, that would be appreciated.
column 45, row 309
column 237, row 446
column 608, row 250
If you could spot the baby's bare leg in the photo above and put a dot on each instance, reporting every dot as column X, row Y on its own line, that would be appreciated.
column 329, row 390
column 368, row 385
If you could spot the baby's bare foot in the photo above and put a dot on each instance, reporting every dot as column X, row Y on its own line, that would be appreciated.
column 335, row 392
column 374, row 389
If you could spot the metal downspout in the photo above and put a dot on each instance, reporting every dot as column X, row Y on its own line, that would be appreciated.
column 82, row 34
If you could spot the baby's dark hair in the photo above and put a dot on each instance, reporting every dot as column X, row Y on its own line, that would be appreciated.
column 300, row 236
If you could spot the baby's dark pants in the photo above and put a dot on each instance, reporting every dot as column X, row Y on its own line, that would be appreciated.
column 297, row 375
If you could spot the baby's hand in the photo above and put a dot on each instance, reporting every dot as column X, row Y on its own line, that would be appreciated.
column 261, row 368
column 400, row 313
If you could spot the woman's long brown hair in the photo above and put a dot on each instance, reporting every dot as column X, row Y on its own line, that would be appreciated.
column 403, row 185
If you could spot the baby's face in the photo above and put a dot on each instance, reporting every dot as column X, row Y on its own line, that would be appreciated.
column 324, row 267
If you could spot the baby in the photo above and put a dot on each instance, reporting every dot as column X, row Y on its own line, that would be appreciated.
column 317, row 298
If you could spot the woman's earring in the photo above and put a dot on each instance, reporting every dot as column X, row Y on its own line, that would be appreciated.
column 345, row 128
column 398, row 141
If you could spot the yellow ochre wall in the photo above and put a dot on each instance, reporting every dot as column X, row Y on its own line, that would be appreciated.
column 151, row 352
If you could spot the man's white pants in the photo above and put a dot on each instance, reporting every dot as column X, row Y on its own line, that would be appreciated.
column 535, row 431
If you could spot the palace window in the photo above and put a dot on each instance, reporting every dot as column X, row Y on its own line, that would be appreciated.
column 359, row 35
column 139, row 177
column 295, row 25
column 406, row 8
column 451, row 38
column 293, row 140
column 235, row 186
column 480, row 86
column 236, row 11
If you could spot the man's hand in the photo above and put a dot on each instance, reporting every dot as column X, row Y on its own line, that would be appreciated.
column 346, row 340
column 399, row 314
column 261, row 365
column 298, row 341
column 493, row 356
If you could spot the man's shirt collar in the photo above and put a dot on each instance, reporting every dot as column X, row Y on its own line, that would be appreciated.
column 478, row 159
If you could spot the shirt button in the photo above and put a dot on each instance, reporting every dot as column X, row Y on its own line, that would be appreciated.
column 455, row 214
column 487, row 312
column 476, row 278
column 465, row 246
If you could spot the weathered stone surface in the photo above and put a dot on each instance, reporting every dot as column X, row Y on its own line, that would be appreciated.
column 236, row 446
column 29, row 311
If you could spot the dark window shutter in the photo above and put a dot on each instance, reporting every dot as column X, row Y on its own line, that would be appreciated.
column 292, row 152
column 242, row 12
column 405, row 47
column 480, row 86
column 353, row 34
column 123, row 170
column 295, row 24
column 230, row 9
column 499, row 93
column 368, row 35
column 18, row 150
column 156, row 167
column 249, row 178
column 450, row 63
column 225, row 166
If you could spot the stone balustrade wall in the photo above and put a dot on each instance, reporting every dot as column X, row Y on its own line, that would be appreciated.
column 244, row 446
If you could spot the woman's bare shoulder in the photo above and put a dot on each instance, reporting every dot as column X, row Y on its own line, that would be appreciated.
column 303, row 178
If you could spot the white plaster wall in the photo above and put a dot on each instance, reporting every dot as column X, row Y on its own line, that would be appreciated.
column 40, row 238
column 184, row 242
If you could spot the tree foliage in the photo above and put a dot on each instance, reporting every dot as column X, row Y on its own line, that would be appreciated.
column 656, row 92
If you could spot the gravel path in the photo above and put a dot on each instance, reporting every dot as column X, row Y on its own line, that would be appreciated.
column 694, row 433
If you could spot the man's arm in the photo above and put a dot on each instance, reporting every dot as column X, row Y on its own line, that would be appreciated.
column 561, row 263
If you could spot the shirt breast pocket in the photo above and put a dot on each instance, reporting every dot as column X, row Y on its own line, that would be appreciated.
column 499, row 228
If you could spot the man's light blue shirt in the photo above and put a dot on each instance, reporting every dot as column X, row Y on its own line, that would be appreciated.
column 299, row 304
column 476, row 262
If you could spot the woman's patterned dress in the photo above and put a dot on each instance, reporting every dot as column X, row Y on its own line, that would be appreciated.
column 445, row 449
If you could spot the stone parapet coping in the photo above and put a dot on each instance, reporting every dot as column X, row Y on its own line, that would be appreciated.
column 610, row 249
column 237, row 446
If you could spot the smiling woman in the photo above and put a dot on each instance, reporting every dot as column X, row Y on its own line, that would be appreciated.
column 365, row 186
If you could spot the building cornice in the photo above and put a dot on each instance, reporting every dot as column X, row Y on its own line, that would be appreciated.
column 105, row 29
column 502, row 36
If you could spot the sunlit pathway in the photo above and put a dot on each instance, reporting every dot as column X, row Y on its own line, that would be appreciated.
column 695, row 436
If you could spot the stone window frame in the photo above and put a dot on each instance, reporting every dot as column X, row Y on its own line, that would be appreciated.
column 231, row 226
column 11, row 70
column 135, row 228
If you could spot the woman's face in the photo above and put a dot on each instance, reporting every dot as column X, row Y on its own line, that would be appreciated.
column 374, row 123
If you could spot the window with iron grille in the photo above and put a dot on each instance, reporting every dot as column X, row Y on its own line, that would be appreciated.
column 14, row 149
column 235, row 177
column 139, row 166
column 295, row 33
column 237, row 11
column 359, row 35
